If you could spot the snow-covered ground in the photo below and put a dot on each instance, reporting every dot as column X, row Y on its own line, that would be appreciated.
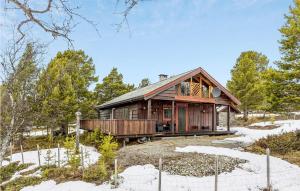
column 43, row 132
column 248, row 136
column 91, row 156
column 249, row 176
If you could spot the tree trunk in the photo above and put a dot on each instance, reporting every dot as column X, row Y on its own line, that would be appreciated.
column 245, row 117
column 64, row 129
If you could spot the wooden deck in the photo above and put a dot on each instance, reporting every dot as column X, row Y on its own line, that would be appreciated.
column 121, row 128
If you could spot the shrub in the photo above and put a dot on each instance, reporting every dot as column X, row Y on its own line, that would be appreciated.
column 108, row 149
column 61, row 174
column 22, row 182
column 7, row 171
column 272, row 119
column 279, row 144
column 73, row 156
column 92, row 138
column 96, row 173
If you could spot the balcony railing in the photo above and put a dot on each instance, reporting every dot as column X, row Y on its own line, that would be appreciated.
column 194, row 89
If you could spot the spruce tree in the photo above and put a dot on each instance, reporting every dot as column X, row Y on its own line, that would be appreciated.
column 144, row 82
column 112, row 86
column 63, row 88
column 285, row 87
column 247, row 82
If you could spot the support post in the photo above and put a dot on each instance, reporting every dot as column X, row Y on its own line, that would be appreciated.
column 149, row 109
column 200, row 87
column 268, row 170
column 78, row 116
column 216, row 173
column 112, row 116
column 228, row 118
column 172, row 119
column 159, row 174
column 214, row 118
column 191, row 87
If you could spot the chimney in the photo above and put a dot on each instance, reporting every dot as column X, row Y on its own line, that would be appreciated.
column 162, row 77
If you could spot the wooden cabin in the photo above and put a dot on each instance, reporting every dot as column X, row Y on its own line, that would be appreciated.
column 184, row 104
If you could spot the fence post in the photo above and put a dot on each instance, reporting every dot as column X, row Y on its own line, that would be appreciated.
column 39, row 155
column 11, row 151
column 22, row 154
column 159, row 173
column 82, row 158
column 58, row 155
column 78, row 114
column 268, row 169
column 124, row 143
column 116, row 168
column 216, row 173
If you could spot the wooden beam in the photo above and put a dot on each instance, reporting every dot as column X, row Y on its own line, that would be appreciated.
column 214, row 126
column 191, row 87
column 200, row 87
column 172, row 119
column 228, row 118
column 112, row 113
column 149, row 109
column 194, row 99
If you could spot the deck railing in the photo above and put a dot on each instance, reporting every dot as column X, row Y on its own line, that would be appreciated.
column 121, row 127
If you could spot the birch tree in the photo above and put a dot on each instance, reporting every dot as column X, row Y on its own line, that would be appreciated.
column 19, row 74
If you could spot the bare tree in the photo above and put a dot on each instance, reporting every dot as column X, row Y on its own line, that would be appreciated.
column 16, row 89
column 56, row 17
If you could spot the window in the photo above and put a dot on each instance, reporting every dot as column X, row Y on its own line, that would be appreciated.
column 167, row 115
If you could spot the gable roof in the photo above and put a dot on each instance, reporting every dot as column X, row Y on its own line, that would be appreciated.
column 153, row 89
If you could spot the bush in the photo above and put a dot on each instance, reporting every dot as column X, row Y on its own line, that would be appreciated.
column 7, row 171
column 92, row 138
column 96, row 173
column 279, row 144
column 61, row 174
column 108, row 149
column 22, row 182
column 73, row 156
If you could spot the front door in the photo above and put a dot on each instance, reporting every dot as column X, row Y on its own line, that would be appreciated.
column 182, row 118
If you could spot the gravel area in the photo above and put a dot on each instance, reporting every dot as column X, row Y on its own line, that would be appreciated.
column 185, row 164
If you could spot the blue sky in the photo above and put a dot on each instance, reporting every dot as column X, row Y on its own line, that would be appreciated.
column 173, row 36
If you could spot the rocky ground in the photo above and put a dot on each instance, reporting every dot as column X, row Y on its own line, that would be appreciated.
column 186, row 164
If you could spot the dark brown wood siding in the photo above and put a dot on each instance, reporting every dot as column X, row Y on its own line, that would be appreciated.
column 200, row 117
column 168, row 94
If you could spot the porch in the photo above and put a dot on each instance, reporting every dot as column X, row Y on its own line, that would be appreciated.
column 121, row 128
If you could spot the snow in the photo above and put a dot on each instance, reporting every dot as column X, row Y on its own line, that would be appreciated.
column 248, row 136
column 91, row 156
column 43, row 132
column 250, row 176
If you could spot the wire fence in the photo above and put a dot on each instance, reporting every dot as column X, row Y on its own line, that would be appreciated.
column 139, row 178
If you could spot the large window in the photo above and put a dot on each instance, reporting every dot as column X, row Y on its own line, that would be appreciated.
column 167, row 115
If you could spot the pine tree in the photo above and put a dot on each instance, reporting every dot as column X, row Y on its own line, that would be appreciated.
column 247, row 82
column 112, row 86
column 144, row 82
column 285, row 87
column 63, row 88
